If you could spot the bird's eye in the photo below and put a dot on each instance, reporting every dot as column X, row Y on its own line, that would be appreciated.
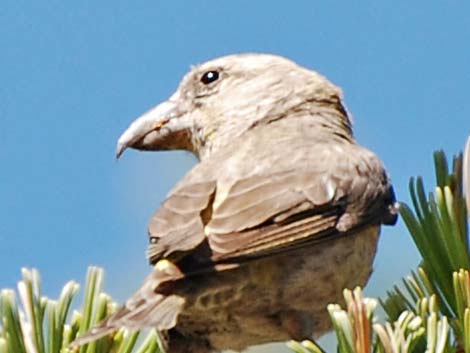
column 209, row 77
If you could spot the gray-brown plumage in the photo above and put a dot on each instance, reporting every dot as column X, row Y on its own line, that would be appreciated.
column 282, row 212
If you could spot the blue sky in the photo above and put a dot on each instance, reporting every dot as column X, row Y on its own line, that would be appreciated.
column 75, row 74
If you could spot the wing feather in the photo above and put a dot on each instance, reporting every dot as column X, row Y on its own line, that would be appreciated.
column 178, row 225
column 272, row 238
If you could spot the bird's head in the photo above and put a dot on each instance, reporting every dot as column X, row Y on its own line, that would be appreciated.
column 223, row 98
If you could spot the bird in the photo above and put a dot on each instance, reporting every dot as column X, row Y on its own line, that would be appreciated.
column 282, row 211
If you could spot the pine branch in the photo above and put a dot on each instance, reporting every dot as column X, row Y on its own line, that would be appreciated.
column 40, row 325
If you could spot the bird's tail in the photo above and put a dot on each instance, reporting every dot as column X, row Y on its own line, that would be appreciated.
column 146, row 308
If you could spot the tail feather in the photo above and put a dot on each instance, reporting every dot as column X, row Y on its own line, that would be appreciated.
column 145, row 309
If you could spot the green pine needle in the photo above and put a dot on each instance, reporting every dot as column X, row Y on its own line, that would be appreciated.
column 38, row 324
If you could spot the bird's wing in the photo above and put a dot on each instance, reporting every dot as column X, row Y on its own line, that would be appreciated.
column 267, row 213
column 264, row 215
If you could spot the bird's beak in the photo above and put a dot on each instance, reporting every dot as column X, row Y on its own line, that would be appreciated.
column 161, row 128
